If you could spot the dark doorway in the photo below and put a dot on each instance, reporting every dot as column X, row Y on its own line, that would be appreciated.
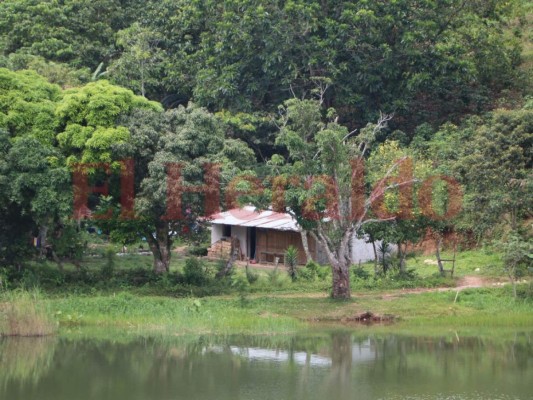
column 226, row 231
column 252, row 235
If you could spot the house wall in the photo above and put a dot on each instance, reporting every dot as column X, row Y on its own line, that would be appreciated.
column 274, row 243
column 216, row 232
column 271, row 243
column 361, row 251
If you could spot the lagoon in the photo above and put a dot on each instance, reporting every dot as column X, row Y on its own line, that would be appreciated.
column 334, row 365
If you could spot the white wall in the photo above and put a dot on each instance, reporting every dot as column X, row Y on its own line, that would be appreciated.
column 216, row 232
column 361, row 251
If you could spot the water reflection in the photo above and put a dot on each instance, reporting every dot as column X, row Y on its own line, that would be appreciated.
column 338, row 365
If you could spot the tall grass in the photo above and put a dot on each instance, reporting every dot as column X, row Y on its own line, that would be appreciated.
column 172, row 315
column 24, row 313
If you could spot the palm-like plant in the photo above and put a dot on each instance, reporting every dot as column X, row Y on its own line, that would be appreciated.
column 291, row 261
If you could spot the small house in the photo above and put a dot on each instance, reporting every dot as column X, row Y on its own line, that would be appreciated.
column 264, row 236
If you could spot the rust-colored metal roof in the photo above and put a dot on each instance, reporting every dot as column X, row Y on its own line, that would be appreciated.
column 249, row 217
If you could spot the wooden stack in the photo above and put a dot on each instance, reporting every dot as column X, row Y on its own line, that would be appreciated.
column 220, row 250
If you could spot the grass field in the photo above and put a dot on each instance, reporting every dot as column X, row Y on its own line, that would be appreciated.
column 131, row 298
column 481, row 308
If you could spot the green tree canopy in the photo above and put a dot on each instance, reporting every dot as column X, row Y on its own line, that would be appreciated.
column 78, row 32
column 492, row 157
column 186, row 138
column 87, row 120
column 27, row 105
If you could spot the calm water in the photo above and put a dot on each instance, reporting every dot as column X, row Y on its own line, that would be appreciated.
column 328, row 366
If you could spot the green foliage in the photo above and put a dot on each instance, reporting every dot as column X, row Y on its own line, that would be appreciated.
column 492, row 158
column 27, row 105
column 251, row 276
column 242, row 286
column 53, row 30
column 438, row 64
column 69, row 242
column 198, row 251
column 517, row 256
column 360, row 273
column 385, row 259
column 291, row 262
column 109, row 266
column 398, row 280
column 87, row 119
column 428, row 63
column 38, row 180
column 310, row 272
column 518, row 253
column 141, row 62
column 274, row 278
column 343, row 53
column 195, row 271
column 55, row 72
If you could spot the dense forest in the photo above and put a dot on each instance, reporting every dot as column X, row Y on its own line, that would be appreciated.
column 266, row 89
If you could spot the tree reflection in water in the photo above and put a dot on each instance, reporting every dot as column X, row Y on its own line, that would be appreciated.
column 339, row 365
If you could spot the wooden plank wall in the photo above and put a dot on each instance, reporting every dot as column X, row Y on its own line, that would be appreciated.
column 276, row 242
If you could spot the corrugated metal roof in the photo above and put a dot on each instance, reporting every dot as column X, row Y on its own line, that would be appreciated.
column 249, row 217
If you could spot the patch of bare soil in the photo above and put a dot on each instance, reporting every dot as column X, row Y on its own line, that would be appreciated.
column 369, row 318
column 242, row 264
column 472, row 282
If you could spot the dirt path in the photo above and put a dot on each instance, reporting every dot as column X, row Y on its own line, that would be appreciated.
column 466, row 282
column 473, row 282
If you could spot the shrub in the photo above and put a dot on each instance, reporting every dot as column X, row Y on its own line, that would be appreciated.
column 361, row 273
column 240, row 283
column 310, row 271
column 109, row 266
column 251, row 276
column 408, row 275
column 324, row 273
column 274, row 278
column 385, row 256
column 198, row 251
column 195, row 271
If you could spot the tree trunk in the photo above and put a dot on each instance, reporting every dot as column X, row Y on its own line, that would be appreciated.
column 341, row 360
column 401, row 254
column 341, row 279
column 160, row 247
column 438, row 242
column 339, row 260
column 305, row 245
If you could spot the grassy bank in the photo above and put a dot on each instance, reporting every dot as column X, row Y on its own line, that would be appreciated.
column 270, row 314
column 170, row 315
column 133, row 273
column 25, row 314
column 189, row 300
